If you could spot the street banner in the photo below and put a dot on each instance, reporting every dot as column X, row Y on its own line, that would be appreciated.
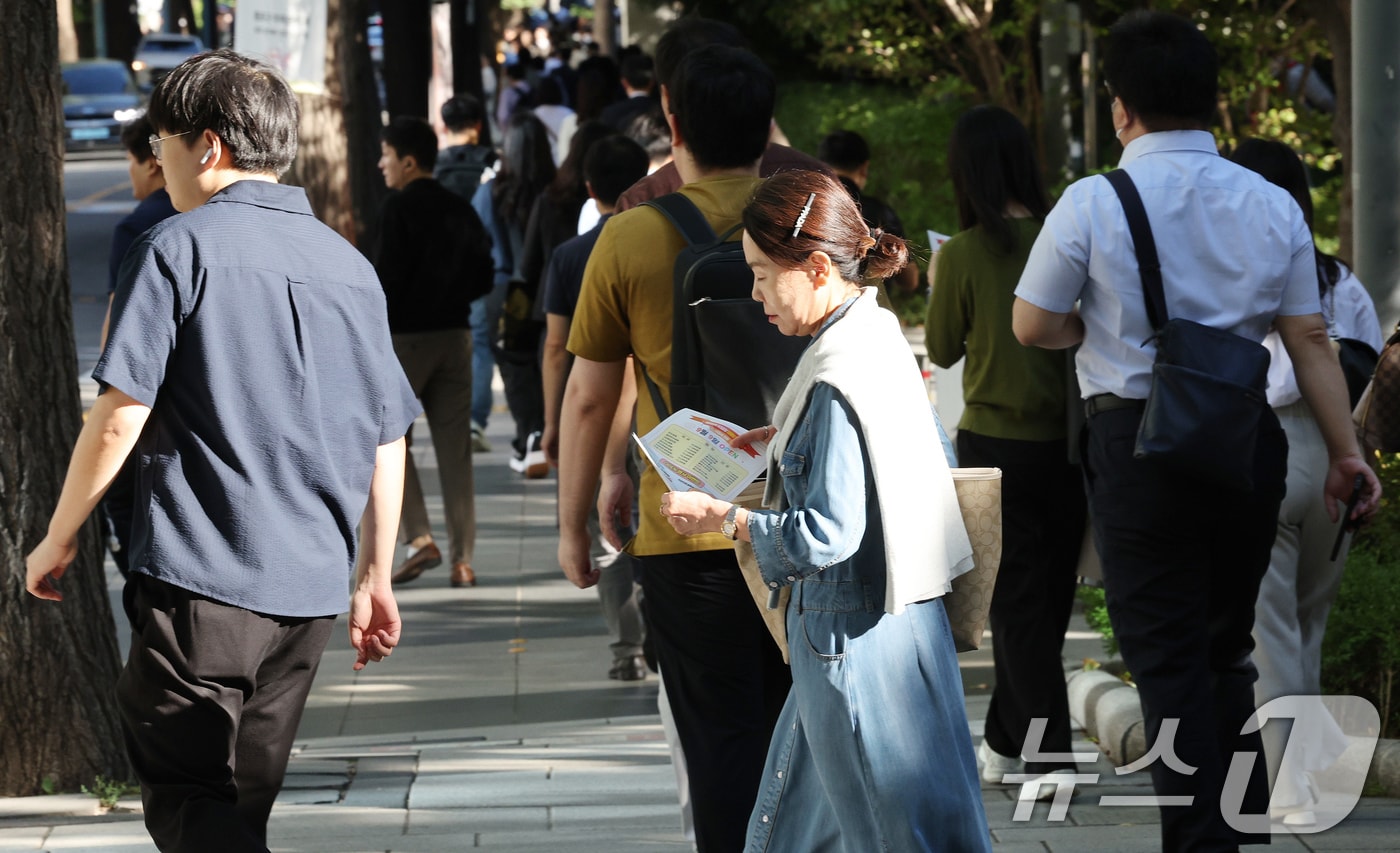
column 290, row 35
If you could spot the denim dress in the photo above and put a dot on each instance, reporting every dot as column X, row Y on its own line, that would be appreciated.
column 872, row 751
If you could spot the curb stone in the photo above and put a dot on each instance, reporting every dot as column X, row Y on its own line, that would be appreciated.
column 1107, row 708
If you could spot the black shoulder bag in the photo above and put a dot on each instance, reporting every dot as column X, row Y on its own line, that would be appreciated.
column 1207, row 395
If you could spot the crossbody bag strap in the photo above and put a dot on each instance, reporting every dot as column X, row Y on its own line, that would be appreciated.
column 1149, row 267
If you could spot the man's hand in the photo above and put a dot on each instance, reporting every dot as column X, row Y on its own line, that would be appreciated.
column 574, row 559
column 1341, row 475
column 616, row 493
column 374, row 622
column 47, row 563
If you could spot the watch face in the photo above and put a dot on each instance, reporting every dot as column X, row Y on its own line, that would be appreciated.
column 728, row 528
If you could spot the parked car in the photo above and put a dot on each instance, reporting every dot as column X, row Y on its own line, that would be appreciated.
column 99, row 97
column 157, row 54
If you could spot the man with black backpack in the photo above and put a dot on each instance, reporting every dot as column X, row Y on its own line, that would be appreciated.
column 461, row 164
column 433, row 257
column 723, row 673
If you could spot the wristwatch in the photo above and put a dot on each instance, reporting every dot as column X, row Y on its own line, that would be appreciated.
column 729, row 527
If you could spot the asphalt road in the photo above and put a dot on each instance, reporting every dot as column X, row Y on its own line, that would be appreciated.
column 97, row 192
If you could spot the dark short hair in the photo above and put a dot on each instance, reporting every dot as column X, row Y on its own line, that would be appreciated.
column 844, row 149
column 612, row 165
column 686, row 36
column 722, row 99
column 992, row 162
column 136, row 138
column 411, row 136
column 246, row 102
column 639, row 70
column 1163, row 69
column 462, row 112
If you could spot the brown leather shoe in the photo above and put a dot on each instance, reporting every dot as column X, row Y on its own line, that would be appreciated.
column 462, row 575
column 427, row 557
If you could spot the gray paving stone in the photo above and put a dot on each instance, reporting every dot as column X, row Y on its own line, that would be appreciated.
column 317, row 780
column 307, row 797
column 423, row 821
column 110, row 837
column 387, row 791
column 640, row 786
column 1068, row 838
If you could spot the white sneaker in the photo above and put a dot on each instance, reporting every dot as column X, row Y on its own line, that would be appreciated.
column 479, row 442
column 533, row 464
column 996, row 766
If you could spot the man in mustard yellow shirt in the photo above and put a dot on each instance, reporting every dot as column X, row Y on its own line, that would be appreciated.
column 724, row 676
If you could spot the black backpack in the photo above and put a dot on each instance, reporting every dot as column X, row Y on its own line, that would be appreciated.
column 727, row 360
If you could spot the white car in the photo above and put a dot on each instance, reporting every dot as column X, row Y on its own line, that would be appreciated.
column 157, row 54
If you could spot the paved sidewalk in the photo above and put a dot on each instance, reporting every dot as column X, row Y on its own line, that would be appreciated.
column 494, row 727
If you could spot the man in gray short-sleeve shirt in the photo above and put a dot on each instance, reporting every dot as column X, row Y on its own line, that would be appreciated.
column 250, row 366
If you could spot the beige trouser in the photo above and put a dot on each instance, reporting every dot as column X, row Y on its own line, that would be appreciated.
column 1290, row 615
column 439, row 367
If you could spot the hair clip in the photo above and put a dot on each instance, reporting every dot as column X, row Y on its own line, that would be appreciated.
column 802, row 217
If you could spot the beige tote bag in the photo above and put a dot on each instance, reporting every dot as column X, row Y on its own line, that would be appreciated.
column 979, row 499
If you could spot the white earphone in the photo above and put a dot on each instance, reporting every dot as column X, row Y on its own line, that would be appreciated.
column 207, row 154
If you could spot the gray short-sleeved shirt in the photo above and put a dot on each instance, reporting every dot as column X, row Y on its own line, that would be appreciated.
column 259, row 338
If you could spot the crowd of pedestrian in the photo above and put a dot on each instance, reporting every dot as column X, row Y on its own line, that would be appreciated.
column 260, row 379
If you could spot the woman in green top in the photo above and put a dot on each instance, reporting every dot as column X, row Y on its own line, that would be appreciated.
column 1014, row 419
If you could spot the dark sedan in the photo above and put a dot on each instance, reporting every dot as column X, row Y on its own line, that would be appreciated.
column 99, row 97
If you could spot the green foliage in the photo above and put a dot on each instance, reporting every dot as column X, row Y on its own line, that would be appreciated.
column 49, row 785
column 907, row 129
column 1361, row 651
column 987, row 48
column 109, row 791
column 1096, row 614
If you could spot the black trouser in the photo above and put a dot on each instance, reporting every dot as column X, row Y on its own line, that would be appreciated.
column 1182, row 561
column 210, row 699
column 726, row 682
column 1042, row 511
column 524, row 388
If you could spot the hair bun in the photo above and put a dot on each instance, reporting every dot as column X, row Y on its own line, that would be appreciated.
column 888, row 255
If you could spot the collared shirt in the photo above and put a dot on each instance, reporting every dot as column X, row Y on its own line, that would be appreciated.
column 1349, row 313
column 1235, row 252
column 259, row 339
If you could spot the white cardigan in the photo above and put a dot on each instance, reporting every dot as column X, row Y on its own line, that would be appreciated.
column 864, row 356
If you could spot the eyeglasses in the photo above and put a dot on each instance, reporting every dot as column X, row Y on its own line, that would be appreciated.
column 155, row 142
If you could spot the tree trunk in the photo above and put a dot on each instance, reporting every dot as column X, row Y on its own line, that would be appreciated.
column 467, row 24
column 408, row 56
column 123, row 30
column 338, row 144
column 1334, row 17
column 603, row 11
column 58, row 662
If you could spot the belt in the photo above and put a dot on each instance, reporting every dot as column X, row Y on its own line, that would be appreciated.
column 1100, row 403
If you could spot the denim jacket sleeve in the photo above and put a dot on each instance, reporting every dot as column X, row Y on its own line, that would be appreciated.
column 826, row 483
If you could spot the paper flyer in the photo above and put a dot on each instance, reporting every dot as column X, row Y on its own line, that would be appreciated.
column 692, row 450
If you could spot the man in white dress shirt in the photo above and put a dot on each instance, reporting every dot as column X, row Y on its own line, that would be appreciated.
column 1182, row 559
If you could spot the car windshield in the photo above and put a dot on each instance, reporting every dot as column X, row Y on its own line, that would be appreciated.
column 95, row 80
column 177, row 45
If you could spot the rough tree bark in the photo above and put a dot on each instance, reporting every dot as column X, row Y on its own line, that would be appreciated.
column 339, row 139
column 58, row 662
